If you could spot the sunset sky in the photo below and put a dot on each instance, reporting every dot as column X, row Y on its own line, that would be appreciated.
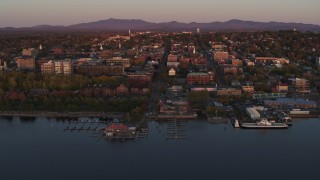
column 19, row 13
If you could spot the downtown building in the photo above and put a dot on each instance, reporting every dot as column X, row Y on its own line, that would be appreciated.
column 26, row 63
column 111, row 69
column 198, row 78
column 64, row 67
column 126, row 62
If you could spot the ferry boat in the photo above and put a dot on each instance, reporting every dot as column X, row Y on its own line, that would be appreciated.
column 264, row 124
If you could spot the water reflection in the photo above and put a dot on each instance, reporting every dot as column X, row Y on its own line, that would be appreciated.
column 27, row 119
column 7, row 118
column 209, row 152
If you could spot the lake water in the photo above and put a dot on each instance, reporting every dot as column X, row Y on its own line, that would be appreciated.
column 41, row 150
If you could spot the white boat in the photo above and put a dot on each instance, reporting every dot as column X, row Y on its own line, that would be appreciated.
column 236, row 123
column 264, row 124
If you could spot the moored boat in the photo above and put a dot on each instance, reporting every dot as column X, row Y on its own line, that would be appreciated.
column 284, row 118
column 264, row 124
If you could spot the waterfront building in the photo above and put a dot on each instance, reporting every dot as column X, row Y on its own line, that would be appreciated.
column 253, row 113
column 290, row 103
column 301, row 85
column 282, row 87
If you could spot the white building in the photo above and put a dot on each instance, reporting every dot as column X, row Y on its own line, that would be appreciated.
column 172, row 72
column 253, row 113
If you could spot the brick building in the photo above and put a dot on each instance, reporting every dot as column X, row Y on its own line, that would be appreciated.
column 124, row 61
column 57, row 67
column 30, row 52
column 229, row 92
column 26, row 64
column 108, row 69
column 140, row 76
column 198, row 78
column 237, row 62
column 219, row 55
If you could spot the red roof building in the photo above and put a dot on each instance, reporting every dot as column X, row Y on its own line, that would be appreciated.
column 117, row 127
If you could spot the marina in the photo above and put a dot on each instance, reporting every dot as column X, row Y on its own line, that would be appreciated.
column 108, row 130
column 176, row 129
column 80, row 154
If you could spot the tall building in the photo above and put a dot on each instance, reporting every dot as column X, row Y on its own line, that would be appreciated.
column 57, row 67
column 28, row 64
column 47, row 68
column 124, row 61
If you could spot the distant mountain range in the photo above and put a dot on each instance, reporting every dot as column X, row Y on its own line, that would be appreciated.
column 140, row 25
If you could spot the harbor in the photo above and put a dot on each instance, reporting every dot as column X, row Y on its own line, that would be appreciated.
column 83, row 153
column 108, row 130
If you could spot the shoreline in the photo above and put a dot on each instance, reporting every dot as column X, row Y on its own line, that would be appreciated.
column 62, row 114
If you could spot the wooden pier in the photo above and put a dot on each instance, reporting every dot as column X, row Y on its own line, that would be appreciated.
column 176, row 129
